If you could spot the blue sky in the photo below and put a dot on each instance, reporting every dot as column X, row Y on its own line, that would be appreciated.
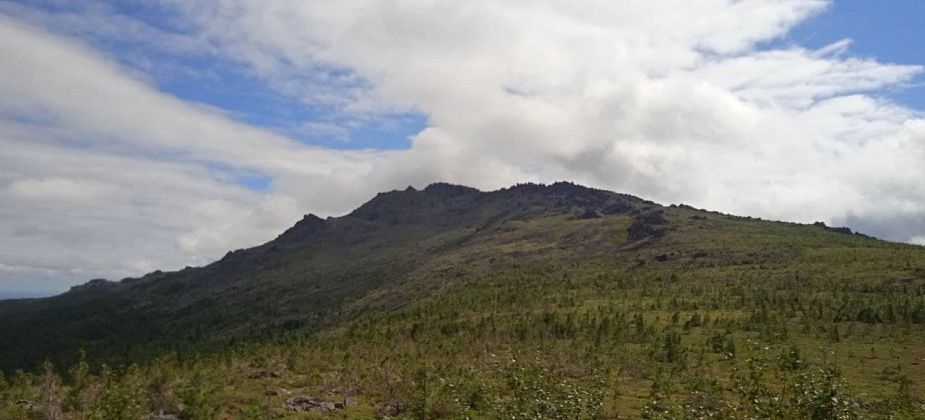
column 143, row 135
column 232, row 86
column 890, row 31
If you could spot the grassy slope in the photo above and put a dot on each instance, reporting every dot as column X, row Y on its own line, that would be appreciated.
column 534, row 314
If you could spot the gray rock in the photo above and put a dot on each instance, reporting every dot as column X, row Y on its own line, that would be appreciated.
column 264, row 374
column 303, row 403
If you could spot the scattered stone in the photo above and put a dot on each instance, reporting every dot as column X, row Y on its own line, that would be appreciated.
column 26, row 404
column 390, row 408
column 303, row 403
column 264, row 374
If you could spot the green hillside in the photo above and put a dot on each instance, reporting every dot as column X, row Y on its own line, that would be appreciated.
column 529, row 302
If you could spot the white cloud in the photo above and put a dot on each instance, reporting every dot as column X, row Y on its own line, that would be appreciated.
column 666, row 99
column 59, row 189
column 101, row 175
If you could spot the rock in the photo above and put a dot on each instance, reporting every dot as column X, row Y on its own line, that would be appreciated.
column 304, row 230
column 264, row 374
column 618, row 208
column 589, row 214
column 390, row 408
column 303, row 403
column 444, row 190
column 647, row 224
column 162, row 416
column 844, row 230
column 26, row 404
column 653, row 217
column 92, row 285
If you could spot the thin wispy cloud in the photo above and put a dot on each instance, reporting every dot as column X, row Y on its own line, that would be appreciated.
column 107, row 171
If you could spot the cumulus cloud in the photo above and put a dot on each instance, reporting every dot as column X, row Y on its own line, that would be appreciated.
column 104, row 176
column 666, row 99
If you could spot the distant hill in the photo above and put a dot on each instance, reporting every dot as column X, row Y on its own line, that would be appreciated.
column 610, row 276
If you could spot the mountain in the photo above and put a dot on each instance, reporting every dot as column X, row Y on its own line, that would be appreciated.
column 317, row 272
column 584, row 284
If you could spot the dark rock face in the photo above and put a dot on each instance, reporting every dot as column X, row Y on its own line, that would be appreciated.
column 446, row 205
column 647, row 224
column 444, row 190
column 844, row 230
column 304, row 229
column 589, row 214
column 92, row 285
column 617, row 208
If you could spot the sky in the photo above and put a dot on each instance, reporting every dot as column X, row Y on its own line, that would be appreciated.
column 141, row 135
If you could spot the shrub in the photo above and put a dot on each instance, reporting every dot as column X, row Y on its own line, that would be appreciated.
column 820, row 394
column 197, row 400
column 122, row 397
column 790, row 359
column 530, row 394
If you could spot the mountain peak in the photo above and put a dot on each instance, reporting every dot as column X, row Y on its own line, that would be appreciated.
column 303, row 229
column 446, row 190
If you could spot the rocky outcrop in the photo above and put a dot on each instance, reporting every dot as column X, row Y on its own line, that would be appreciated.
column 589, row 214
column 93, row 285
column 844, row 230
column 647, row 224
column 444, row 190
column 302, row 230
column 308, row 404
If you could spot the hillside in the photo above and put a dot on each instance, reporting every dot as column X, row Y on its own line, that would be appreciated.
column 554, row 301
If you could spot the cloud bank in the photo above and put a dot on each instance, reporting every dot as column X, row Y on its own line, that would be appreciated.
column 103, row 174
